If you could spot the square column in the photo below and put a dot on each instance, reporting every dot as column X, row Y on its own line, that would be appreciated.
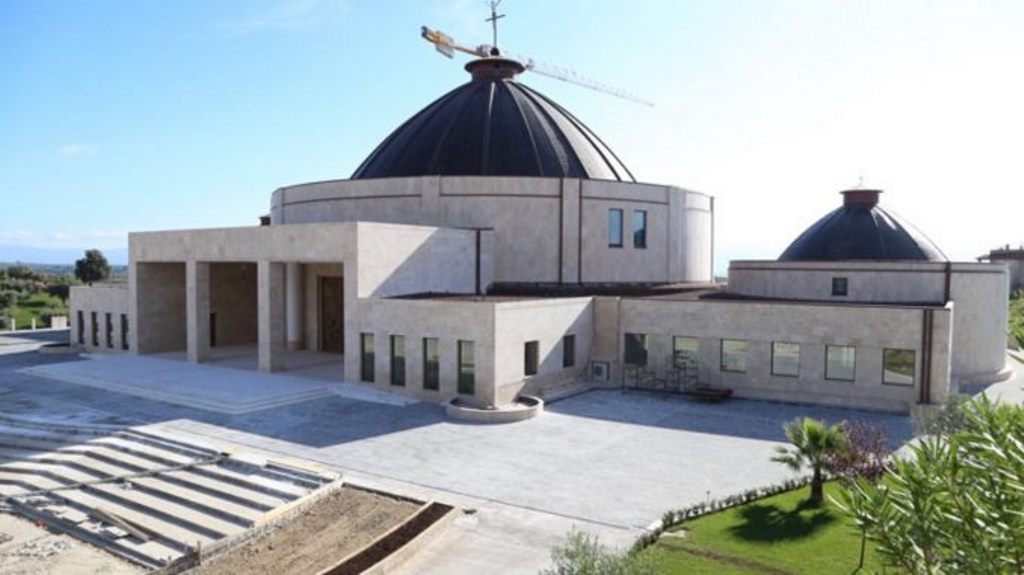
column 270, row 286
column 293, row 274
column 197, row 310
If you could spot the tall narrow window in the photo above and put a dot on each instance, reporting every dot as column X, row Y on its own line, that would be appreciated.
column 839, row 286
column 124, row 331
column 81, row 327
column 398, row 360
column 95, row 329
column 109, row 324
column 840, row 362
column 636, row 349
column 431, row 364
column 569, row 350
column 531, row 357
column 734, row 355
column 898, row 366
column 639, row 229
column 467, row 367
column 366, row 367
column 786, row 359
column 615, row 228
column 685, row 351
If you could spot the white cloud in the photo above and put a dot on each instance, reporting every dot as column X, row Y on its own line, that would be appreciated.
column 77, row 150
column 286, row 15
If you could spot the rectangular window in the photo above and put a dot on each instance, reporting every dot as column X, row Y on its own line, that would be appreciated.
column 839, row 286
column 898, row 366
column 734, row 355
column 124, row 331
column 639, row 229
column 569, row 350
column 636, row 349
column 615, row 228
column 81, row 327
column 786, row 359
column 398, row 360
column 366, row 357
column 531, row 357
column 840, row 362
column 109, row 324
column 467, row 368
column 431, row 364
column 684, row 351
column 95, row 329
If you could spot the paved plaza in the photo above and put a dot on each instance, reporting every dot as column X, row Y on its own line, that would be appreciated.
column 604, row 461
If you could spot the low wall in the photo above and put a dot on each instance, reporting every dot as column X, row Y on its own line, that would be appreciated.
column 92, row 307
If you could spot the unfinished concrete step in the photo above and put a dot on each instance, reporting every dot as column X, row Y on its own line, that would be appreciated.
column 168, row 443
column 157, row 455
column 227, row 510
column 171, row 534
column 188, row 516
column 563, row 390
column 250, row 498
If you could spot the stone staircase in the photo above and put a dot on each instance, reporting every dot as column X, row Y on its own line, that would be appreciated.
column 147, row 498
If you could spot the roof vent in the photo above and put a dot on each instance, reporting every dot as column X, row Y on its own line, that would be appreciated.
column 862, row 198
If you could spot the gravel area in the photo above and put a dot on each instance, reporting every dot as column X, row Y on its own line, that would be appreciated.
column 32, row 550
column 334, row 528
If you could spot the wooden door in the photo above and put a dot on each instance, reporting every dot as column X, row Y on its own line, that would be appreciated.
column 332, row 317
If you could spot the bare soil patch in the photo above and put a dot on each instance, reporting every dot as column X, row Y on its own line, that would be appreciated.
column 337, row 526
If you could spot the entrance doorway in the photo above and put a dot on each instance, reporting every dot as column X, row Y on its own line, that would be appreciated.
column 332, row 316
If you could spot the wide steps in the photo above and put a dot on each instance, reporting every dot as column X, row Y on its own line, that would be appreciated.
column 188, row 516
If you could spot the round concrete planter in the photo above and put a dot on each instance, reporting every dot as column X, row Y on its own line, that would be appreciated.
column 524, row 407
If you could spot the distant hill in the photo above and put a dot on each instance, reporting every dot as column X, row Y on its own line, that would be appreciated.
column 56, row 256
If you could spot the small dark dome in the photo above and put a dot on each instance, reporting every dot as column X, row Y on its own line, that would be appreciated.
column 860, row 230
column 493, row 126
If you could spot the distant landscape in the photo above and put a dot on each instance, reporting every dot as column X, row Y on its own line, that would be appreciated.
column 55, row 256
column 38, row 292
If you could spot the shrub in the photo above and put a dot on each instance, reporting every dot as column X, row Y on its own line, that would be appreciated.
column 583, row 554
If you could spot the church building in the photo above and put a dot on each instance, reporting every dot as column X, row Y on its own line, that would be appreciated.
column 493, row 246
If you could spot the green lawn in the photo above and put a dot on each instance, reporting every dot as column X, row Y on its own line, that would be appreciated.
column 34, row 306
column 1017, row 318
column 778, row 535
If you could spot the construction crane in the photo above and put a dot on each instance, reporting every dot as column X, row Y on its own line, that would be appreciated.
column 447, row 46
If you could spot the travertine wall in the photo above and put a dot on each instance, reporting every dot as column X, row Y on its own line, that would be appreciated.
column 980, row 291
column 447, row 320
column 869, row 329
column 233, row 299
column 101, row 299
column 545, row 321
column 157, row 304
column 546, row 230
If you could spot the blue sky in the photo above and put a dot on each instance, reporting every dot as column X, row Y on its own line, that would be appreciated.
column 120, row 115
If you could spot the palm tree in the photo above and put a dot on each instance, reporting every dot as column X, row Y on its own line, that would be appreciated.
column 813, row 444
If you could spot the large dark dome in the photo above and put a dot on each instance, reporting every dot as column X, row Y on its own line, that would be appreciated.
column 860, row 230
column 493, row 126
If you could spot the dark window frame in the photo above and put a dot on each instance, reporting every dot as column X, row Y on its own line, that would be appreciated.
column 531, row 358
column 466, row 371
column 108, row 319
column 913, row 367
column 432, row 367
column 852, row 378
column 397, row 375
column 80, row 317
column 367, row 358
column 676, row 351
column 778, row 374
column 613, row 241
column 640, row 234
column 840, row 286
column 124, row 331
column 644, row 350
column 721, row 355
column 569, row 350
column 94, row 320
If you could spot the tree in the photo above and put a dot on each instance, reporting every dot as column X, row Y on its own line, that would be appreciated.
column 954, row 504
column 814, row 444
column 92, row 268
column 865, row 453
column 59, row 290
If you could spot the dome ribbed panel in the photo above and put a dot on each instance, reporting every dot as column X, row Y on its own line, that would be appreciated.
column 493, row 127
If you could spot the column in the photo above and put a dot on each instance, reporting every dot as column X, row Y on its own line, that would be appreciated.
column 271, row 297
column 293, row 275
column 197, row 310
